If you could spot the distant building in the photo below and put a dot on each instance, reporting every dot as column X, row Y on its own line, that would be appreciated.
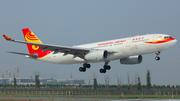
column 23, row 81
column 70, row 81
column 5, row 80
column 26, row 81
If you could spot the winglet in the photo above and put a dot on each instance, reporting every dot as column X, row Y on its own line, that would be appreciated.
column 6, row 37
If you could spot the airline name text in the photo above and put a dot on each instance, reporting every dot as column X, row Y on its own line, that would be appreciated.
column 108, row 43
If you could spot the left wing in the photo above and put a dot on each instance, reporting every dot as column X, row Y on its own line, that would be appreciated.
column 80, row 52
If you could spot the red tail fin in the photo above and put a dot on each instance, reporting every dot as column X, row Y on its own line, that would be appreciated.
column 29, row 36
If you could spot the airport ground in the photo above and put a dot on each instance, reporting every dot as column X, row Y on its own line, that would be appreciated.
column 86, row 97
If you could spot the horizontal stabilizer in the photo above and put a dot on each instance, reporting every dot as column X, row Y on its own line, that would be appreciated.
column 31, row 56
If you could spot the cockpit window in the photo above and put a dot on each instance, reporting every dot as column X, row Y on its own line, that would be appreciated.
column 166, row 37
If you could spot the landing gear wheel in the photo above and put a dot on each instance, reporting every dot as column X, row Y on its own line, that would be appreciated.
column 84, row 69
column 81, row 69
column 158, row 53
column 102, row 70
column 86, row 65
column 108, row 67
column 157, row 58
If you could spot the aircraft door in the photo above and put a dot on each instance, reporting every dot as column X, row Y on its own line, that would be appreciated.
column 154, row 38
column 128, row 42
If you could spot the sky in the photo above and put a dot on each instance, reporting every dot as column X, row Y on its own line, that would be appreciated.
column 76, row 22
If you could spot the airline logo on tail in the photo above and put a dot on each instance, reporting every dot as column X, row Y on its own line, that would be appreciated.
column 29, row 36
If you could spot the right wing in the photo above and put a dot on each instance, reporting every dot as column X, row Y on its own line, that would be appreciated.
column 32, row 56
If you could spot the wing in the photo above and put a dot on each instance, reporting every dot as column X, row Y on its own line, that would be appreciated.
column 80, row 52
column 76, row 51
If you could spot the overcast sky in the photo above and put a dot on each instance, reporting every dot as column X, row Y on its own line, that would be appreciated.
column 75, row 22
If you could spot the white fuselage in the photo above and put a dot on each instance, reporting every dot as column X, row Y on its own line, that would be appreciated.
column 122, row 48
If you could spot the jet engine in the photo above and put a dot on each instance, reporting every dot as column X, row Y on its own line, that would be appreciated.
column 132, row 60
column 99, row 55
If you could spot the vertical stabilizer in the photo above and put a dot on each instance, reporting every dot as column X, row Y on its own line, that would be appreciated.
column 29, row 36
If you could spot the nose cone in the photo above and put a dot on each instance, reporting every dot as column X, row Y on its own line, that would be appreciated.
column 173, row 42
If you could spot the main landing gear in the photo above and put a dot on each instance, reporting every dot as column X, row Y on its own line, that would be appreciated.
column 85, row 65
column 157, row 56
column 102, row 70
column 106, row 67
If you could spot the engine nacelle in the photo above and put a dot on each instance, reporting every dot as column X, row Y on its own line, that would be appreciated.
column 132, row 60
column 99, row 55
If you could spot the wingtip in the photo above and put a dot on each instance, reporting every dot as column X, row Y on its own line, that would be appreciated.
column 6, row 37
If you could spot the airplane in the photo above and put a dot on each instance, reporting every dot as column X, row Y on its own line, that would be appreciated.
column 127, row 50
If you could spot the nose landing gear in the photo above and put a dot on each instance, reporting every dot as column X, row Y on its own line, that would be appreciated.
column 157, row 56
